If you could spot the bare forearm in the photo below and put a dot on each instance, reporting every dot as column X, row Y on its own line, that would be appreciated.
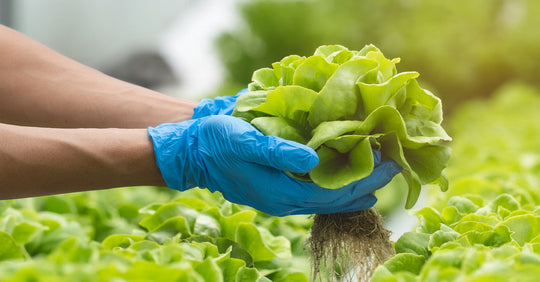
column 42, row 161
column 39, row 87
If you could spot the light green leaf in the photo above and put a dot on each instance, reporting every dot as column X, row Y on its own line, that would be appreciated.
column 290, row 102
column 331, row 130
column 313, row 73
column 430, row 219
column 468, row 226
column 443, row 181
column 24, row 232
column 281, row 127
column 336, row 169
column 9, row 248
column 284, row 69
column 405, row 262
column 427, row 128
column 327, row 50
column 207, row 225
column 414, row 243
column 367, row 49
column 450, row 215
column 446, row 258
column 148, row 271
column 462, row 204
column 346, row 143
column 265, row 78
column 167, row 211
column 387, row 119
column 209, row 270
column 250, row 274
column 144, row 245
column 230, row 223
column 386, row 67
column 339, row 97
column 441, row 236
column 235, row 250
column 523, row 227
column 58, row 204
column 230, row 268
column 261, row 244
column 121, row 240
column 428, row 162
column 169, row 228
column 421, row 104
column 505, row 201
column 391, row 148
column 292, row 60
column 341, row 57
column 250, row 100
column 376, row 95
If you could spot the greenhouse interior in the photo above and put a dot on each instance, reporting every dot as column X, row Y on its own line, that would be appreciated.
column 473, row 216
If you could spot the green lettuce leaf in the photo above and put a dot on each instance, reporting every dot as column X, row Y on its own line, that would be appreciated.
column 9, row 248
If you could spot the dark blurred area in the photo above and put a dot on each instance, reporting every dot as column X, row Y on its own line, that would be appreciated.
column 462, row 49
column 6, row 17
column 121, row 39
column 145, row 68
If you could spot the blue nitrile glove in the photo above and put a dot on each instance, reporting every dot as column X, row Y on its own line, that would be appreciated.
column 221, row 105
column 227, row 154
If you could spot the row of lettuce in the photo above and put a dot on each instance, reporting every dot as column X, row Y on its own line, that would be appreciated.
column 486, row 227
column 147, row 234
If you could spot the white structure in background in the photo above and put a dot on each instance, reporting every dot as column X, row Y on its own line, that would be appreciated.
column 189, row 46
column 99, row 32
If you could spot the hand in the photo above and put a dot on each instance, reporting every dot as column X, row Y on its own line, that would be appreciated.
column 227, row 154
column 222, row 105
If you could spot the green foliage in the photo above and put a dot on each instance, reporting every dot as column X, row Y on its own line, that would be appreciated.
column 461, row 244
column 344, row 104
column 496, row 148
column 463, row 49
column 198, row 237
column 486, row 226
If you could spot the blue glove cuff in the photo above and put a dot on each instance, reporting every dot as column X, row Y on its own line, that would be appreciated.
column 175, row 154
column 222, row 105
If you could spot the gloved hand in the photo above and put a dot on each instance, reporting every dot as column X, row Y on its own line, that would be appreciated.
column 221, row 105
column 227, row 154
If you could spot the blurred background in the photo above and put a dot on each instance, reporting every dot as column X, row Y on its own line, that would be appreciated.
column 200, row 48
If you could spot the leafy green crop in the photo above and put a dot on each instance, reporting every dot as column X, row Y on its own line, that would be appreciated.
column 469, row 240
column 486, row 226
column 128, row 235
column 344, row 104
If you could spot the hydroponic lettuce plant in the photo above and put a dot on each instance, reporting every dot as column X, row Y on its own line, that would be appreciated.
column 344, row 104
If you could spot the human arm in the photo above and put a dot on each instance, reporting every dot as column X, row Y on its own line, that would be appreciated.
column 40, row 87
column 42, row 161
